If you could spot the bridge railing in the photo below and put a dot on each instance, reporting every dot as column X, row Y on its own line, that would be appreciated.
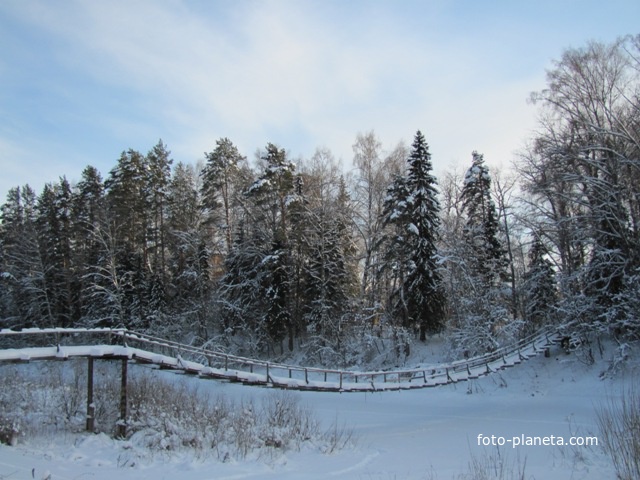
column 56, row 337
column 221, row 364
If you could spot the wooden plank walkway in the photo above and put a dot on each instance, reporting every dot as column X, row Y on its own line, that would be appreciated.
column 134, row 346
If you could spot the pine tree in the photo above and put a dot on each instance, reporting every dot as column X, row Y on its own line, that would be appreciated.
column 184, row 212
column 274, row 196
column 274, row 192
column 128, row 196
column 221, row 181
column 189, row 252
column 158, row 172
column 55, row 240
column 126, row 236
column 88, row 199
column 88, row 206
column 22, row 269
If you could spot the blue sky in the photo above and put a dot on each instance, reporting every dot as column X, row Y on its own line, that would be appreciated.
column 81, row 80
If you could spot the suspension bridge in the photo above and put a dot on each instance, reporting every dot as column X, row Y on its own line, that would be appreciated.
column 131, row 346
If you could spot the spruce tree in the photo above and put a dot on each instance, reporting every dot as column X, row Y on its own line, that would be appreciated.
column 540, row 288
column 413, row 208
column 487, row 255
column 396, row 249
column 484, row 315
column 425, row 296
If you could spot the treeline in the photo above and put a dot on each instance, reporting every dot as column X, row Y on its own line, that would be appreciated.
column 273, row 254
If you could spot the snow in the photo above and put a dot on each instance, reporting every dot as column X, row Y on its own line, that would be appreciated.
column 413, row 434
column 425, row 375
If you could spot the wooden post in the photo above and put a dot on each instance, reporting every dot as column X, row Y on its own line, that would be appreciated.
column 121, row 431
column 91, row 408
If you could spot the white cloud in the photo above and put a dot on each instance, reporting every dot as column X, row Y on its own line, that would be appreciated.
column 301, row 74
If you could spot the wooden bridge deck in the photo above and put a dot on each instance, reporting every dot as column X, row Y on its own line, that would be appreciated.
column 133, row 346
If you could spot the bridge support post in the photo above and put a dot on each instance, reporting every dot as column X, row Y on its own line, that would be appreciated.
column 121, row 431
column 91, row 408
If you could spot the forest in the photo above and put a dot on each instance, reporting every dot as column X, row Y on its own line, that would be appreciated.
column 274, row 255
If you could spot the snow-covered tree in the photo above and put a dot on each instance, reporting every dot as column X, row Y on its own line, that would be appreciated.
column 55, row 236
column 274, row 196
column 22, row 272
column 582, row 174
column 396, row 249
column 241, row 303
column 330, row 279
column 481, row 230
column 540, row 290
column 483, row 308
column 222, row 182
column 425, row 297
column 413, row 209
column 374, row 173
column 126, row 233
column 189, row 272
column 158, row 164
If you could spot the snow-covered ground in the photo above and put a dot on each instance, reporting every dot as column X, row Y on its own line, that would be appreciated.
column 417, row 434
